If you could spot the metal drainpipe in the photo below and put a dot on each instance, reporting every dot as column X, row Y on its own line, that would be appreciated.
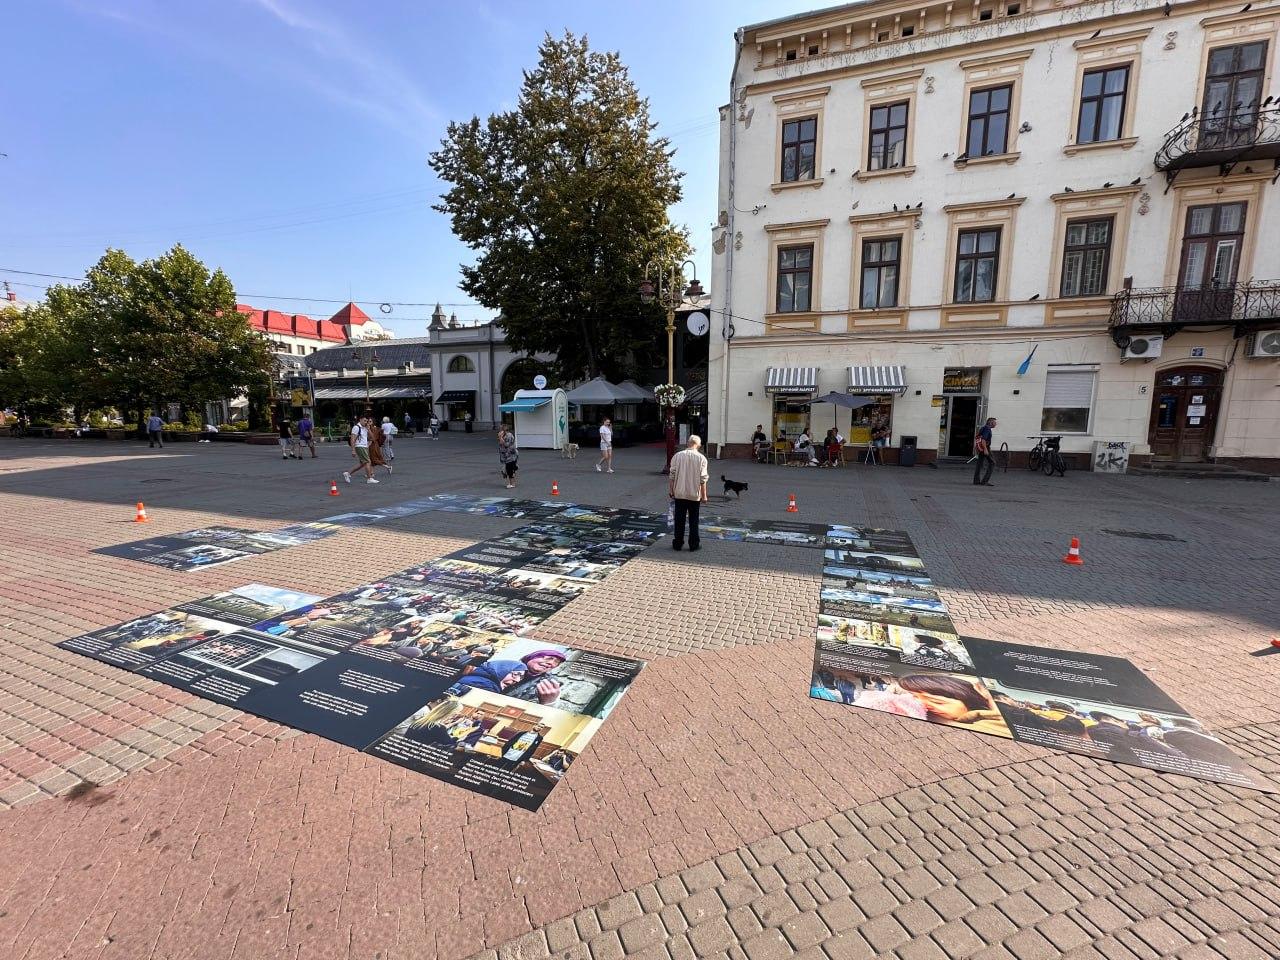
column 727, row 319
column 493, row 406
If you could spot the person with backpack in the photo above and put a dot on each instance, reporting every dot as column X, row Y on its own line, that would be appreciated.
column 982, row 448
column 359, row 441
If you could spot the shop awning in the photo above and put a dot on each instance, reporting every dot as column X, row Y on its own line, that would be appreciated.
column 696, row 394
column 456, row 396
column 375, row 393
column 878, row 380
column 524, row 404
column 792, row 380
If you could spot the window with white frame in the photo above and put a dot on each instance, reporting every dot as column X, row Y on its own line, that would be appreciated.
column 1068, row 400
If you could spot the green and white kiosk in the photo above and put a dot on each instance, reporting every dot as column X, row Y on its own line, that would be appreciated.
column 542, row 419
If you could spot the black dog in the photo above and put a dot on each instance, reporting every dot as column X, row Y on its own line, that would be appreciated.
column 734, row 485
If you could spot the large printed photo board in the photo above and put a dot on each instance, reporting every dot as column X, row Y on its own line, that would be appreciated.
column 886, row 643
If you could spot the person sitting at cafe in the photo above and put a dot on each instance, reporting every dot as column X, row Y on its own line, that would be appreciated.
column 759, row 443
column 804, row 446
column 832, row 446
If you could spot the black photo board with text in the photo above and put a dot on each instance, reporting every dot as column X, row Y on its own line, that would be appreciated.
column 886, row 643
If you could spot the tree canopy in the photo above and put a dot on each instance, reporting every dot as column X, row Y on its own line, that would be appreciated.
column 565, row 199
column 133, row 334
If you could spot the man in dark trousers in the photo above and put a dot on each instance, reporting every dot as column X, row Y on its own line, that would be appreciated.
column 687, row 486
column 982, row 447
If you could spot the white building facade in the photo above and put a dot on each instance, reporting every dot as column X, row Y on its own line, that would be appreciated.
column 918, row 197
column 473, row 371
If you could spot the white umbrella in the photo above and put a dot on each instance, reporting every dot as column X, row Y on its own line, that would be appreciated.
column 635, row 392
column 597, row 392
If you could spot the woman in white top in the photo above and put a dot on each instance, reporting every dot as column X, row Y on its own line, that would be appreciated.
column 388, row 434
column 805, row 445
column 606, row 445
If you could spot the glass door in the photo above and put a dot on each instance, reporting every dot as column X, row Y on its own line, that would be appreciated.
column 1232, row 89
column 1210, row 261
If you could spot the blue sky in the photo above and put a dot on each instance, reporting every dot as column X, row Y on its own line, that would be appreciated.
column 286, row 141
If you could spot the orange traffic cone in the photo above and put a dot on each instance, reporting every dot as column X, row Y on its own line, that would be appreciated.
column 141, row 516
column 555, row 489
column 333, row 488
column 791, row 504
column 1276, row 642
column 1073, row 553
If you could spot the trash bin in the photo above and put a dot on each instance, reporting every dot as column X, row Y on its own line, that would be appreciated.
column 907, row 452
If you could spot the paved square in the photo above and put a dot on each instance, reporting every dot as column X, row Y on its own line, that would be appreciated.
column 719, row 812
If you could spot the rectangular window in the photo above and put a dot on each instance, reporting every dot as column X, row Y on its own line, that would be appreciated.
column 795, row 279
column 1085, row 255
column 989, row 121
column 1232, row 88
column 799, row 143
column 977, row 256
column 887, row 149
column 881, row 259
column 1102, row 104
column 1068, row 400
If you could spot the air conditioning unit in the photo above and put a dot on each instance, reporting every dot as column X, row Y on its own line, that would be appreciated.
column 1264, row 343
column 1143, row 348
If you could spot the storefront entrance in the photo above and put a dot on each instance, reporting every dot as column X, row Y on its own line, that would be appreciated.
column 962, row 425
column 1184, row 413
column 961, row 409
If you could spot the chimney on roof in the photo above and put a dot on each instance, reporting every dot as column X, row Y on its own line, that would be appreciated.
column 437, row 319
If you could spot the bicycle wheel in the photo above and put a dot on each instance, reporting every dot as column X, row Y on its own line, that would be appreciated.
column 1060, row 464
column 1034, row 459
column 1051, row 461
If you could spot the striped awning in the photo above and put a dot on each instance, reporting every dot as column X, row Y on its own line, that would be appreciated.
column 792, row 380
column 875, row 380
column 374, row 393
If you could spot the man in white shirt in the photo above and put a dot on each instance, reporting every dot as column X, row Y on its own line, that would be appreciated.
column 687, row 486
column 388, row 434
column 606, row 445
column 359, row 441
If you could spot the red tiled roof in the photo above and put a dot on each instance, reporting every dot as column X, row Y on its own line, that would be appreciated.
column 332, row 331
column 350, row 316
column 297, row 324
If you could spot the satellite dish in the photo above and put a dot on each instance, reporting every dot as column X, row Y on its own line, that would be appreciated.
column 698, row 324
column 539, row 382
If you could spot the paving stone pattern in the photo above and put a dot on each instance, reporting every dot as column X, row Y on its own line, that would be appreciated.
column 720, row 812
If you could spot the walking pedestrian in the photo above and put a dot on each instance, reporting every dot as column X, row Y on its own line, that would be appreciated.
column 389, row 432
column 606, row 445
column 687, row 486
column 155, row 426
column 307, row 434
column 359, row 442
column 377, row 448
column 287, row 441
column 435, row 427
column 508, row 455
column 982, row 447
column 408, row 423
column 466, row 420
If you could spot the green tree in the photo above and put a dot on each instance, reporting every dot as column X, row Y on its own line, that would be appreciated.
column 565, row 199
column 136, row 335
column 31, row 356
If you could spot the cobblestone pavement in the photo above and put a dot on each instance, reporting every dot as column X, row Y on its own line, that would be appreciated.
column 720, row 812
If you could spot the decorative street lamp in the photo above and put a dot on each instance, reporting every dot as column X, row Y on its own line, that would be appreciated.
column 370, row 364
column 666, row 290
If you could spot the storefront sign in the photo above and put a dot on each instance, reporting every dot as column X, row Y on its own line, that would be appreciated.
column 1196, row 410
column 966, row 380
column 937, row 401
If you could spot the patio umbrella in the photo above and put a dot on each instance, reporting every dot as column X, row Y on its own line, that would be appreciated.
column 634, row 392
column 597, row 392
column 847, row 400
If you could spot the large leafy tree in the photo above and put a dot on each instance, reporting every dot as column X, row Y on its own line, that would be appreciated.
column 565, row 199
column 134, row 335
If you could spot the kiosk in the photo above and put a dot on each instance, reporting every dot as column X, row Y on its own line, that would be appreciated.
column 542, row 419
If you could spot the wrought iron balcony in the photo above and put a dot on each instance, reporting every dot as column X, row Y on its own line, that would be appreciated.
column 1221, row 138
column 1243, row 305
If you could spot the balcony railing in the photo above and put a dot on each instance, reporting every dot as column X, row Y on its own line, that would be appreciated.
column 1221, row 138
column 1242, row 304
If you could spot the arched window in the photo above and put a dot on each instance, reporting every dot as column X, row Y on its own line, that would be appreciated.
column 461, row 364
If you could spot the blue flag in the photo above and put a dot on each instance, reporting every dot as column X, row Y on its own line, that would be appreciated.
column 1026, row 364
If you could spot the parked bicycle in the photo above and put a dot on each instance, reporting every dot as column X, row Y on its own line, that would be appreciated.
column 1046, row 455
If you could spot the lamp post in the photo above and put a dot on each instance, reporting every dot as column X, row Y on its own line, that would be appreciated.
column 665, row 288
column 369, row 366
